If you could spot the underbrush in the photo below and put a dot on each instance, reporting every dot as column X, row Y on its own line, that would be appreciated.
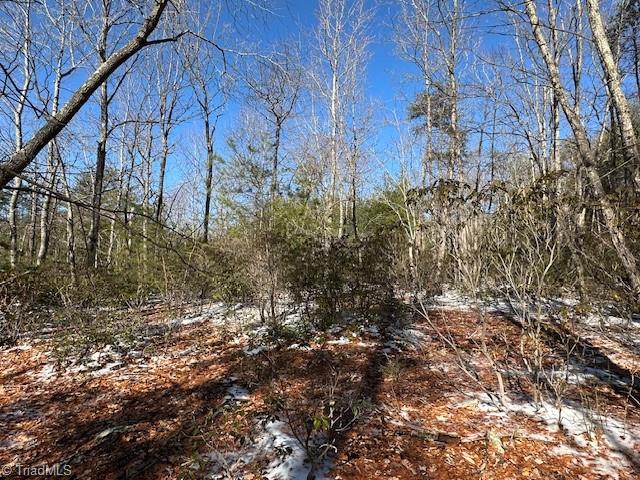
column 78, row 332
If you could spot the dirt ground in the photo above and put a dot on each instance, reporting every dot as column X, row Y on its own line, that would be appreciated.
column 194, row 404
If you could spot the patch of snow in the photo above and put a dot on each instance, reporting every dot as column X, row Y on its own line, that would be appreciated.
column 107, row 368
column 581, row 375
column 237, row 393
column 609, row 321
column 255, row 351
column 497, row 306
column 340, row 341
column 19, row 348
column 292, row 464
column 47, row 372
column 566, row 301
column 449, row 300
column 372, row 330
column 405, row 338
column 287, row 459
column 189, row 320
column 105, row 433
column 215, row 312
column 291, row 318
column 621, row 440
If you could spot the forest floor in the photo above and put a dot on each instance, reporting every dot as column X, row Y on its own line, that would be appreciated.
column 204, row 395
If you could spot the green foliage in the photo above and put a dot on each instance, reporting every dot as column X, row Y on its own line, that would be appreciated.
column 434, row 105
column 338, row 275
column 80, row 331
column 321, row 423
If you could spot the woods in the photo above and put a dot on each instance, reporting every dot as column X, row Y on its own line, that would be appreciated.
column 354, row 211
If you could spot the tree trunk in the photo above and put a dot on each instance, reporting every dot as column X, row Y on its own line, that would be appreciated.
column 165, row 127
column 52, row 167
column 13, row 226
column 71, row 240
column 208, row 179
column 276, row 150
column 112, row 228
column 96, row 201
column 146, row 201
column 163, row 166
column 17, row 116
column 45, row 214
column 33, row 220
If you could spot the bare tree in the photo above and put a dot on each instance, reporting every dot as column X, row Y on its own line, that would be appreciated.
column 586, row 152
column 64, row 65
column 24, row 41
column 17, row 162
column 614, row 87
column 169, row 84
column 342, row 40
column 431, row 34
column 275, row 84
column 207, row 81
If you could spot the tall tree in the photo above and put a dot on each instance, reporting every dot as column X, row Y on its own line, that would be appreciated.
column 169, row 84
column 63, row 66
column 207, row 80
column 275, row 84
column 24, row 41
column 343, row 41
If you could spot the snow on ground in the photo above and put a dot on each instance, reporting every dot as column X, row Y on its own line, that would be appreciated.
column 449, row 300
column 371, row 330
column 606, row 322
column 272, row 444
column 216, row 312
column 255, row 351
column 47, row 373
column 618, row 444
column 340, row 341
column 283, row 455
column 236, row 393
column 240, row 319
column 403, row 338
column 601, row 442
column 292, row 463
column 582, row 375
column 452, row 299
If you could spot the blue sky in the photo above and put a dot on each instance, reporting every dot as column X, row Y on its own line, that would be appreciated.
column 385, row 85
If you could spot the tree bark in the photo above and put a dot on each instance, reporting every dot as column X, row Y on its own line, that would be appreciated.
column 45, row 214
column 52, row 166
column 13, row 225
column 98, row 183
column 276, row 153
column 209, row 177
column 71, row 240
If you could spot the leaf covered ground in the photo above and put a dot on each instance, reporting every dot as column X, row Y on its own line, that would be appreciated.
column 206, row 396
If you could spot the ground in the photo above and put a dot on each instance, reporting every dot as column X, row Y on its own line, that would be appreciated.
column 205, row 396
